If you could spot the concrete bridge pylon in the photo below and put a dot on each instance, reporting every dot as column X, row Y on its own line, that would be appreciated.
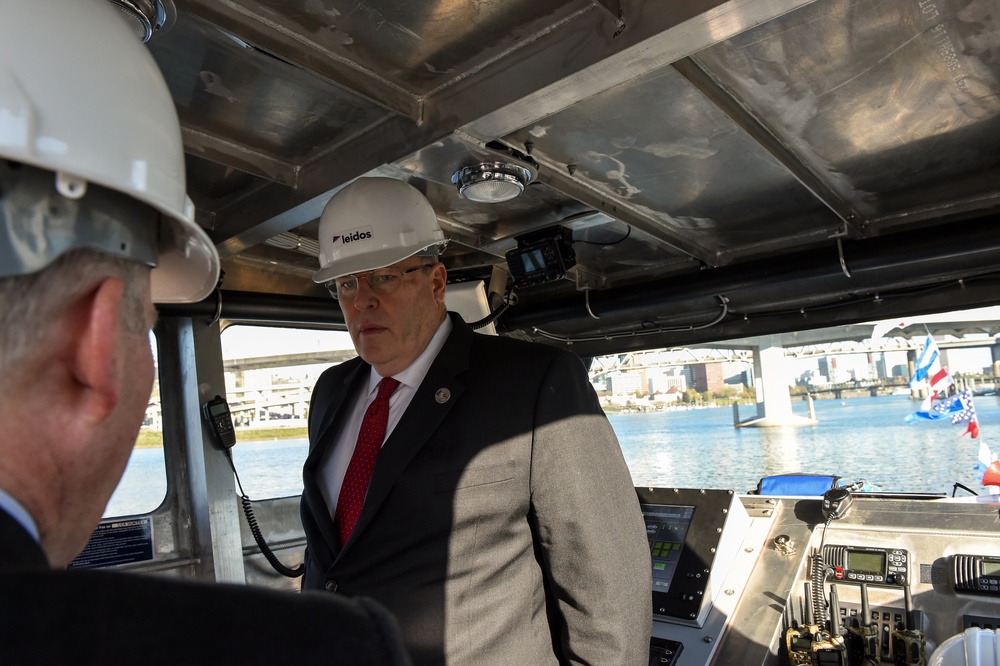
column 774, row 403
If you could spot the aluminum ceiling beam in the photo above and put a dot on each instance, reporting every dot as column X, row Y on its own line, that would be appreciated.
column 557, row 177
column 877, row 264
column 554, row 71
column 237, row 18
column 274, row 209
column 238, row 156
column 949, row 296
column 656, row 35
column 762, row 135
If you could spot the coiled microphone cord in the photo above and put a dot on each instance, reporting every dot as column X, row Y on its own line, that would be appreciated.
column 255, row 529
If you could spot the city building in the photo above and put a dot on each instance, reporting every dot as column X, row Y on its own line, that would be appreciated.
column 706, row 377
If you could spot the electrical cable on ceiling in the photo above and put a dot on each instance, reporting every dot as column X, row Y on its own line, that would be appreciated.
column 723, row 311
column 843, row 261
column 881, row 296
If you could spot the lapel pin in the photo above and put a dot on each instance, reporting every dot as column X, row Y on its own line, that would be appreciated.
column 442, row 396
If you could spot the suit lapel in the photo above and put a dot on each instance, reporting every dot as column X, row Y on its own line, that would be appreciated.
column 20, row 551
column 337, row 399
column 421, row 419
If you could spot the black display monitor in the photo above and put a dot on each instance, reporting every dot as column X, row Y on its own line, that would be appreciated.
column 684, row 527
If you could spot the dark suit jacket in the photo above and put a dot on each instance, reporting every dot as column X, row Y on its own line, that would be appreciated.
column 100, row 617
column 501, row 525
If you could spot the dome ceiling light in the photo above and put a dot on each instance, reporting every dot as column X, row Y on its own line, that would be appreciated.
column 492, row 182
column 498, row 180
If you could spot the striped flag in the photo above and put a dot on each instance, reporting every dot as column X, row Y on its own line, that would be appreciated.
column 959, row 407
column 926, row 363
column 940, row 381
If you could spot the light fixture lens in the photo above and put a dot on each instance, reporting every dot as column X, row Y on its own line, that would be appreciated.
column 492, row 182
column 491, row 190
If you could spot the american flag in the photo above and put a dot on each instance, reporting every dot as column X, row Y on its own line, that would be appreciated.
column 961, row 409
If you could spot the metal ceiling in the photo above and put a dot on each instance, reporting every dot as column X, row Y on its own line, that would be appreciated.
column 725, row 168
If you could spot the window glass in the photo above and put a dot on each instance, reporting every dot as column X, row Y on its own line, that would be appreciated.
column 853, row 412
column 144, row 485
column 270, row 373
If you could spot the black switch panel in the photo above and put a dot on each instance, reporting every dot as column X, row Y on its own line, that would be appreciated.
column 664, row 652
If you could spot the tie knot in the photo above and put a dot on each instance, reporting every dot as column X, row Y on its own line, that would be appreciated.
column 386, row 388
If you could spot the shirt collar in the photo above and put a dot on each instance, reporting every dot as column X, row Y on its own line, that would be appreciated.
column 414, row 373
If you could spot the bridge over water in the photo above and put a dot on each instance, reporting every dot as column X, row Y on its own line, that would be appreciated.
column 772, row 355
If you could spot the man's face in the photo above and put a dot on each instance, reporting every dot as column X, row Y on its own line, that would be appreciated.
column 391, row 330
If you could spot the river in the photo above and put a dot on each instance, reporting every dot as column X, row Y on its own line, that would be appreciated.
column 856, row 438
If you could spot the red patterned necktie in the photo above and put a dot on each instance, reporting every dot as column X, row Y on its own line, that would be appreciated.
column 359, row 472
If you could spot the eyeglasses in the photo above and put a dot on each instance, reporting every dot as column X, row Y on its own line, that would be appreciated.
column 382, row 281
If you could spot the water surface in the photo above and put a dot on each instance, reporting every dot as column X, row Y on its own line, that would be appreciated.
column 857, row 438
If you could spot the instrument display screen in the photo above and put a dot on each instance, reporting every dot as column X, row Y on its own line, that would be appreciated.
column 872, row 562
column 990, row 568
column 666, row 529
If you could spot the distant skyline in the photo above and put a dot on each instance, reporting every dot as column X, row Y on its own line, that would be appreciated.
column 243, row 341
column 971, row 361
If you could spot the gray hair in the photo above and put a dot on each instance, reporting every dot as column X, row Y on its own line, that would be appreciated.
column 32, row 303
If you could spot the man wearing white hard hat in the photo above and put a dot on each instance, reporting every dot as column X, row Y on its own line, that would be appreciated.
column 470, row 483
column 95, row 228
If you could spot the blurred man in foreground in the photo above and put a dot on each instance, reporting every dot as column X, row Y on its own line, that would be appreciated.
column 93, row 230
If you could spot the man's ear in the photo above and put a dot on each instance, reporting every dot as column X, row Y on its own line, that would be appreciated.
column 439, row 278
column 93, row 345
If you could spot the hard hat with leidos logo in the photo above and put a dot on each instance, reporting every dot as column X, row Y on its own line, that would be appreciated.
column 373, row 223
column 90, row 149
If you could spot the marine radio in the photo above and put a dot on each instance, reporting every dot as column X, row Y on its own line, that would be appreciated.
column 875, row 566
column 220, row 422
column 976, row 573
column 542, row 256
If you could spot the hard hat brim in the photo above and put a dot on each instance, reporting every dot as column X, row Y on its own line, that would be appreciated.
column 370, row 262
column 187, row 270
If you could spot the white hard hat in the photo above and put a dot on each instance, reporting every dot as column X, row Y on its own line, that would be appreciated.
column 81, row 97
column 373, row 223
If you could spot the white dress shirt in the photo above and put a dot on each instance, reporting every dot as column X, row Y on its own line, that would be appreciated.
column 335, row 461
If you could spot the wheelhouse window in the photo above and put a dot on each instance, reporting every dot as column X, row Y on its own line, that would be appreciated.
column 270, row 373
column 852, row 410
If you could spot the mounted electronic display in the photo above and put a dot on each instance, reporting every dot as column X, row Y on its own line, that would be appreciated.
column 540, row 257
column 693, row 536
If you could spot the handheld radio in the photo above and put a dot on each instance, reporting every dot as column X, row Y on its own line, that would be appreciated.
column 909, row 647
column 863, row 639
column 220, row 421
